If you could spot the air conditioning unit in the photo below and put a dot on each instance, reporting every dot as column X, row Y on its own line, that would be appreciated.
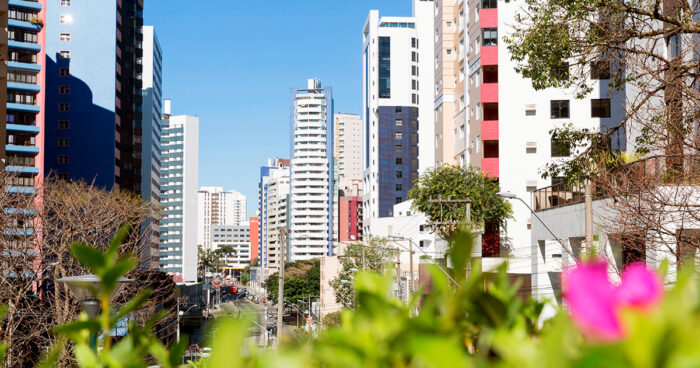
column 531, row 185
column 530, row 110
column 531, row 145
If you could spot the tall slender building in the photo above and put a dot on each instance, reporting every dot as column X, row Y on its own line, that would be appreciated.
column 94, row 65
column 398, row 105
column 218, row 207
column 348, row 148
column 312, row 172
column 273, row 213
column 178, row 228
column 23, row 74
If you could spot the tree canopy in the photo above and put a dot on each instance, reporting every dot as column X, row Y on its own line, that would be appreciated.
column 301, row 280
column 450, row 182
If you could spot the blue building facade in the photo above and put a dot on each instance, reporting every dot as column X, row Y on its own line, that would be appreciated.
column 93, row 122
column 398, row 155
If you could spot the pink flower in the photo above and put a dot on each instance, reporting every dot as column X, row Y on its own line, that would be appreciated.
column 595, row 303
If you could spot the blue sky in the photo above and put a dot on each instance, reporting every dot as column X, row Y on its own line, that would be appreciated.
column 232, row 63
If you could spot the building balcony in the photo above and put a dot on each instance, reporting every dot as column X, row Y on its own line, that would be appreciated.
column 489, row 130
column 23, row 45
column 489, row 55
column 22, row 149
column 23, row 86
column 23, row 107
column 488, row 18
column 23, row 128
column 22, row 24
column 489, row 92
column 22, row 190
column 23, row 66
column 489, row 166
column 22, row 169
column 26, row 4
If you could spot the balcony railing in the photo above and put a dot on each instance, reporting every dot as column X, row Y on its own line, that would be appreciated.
column 561, row 194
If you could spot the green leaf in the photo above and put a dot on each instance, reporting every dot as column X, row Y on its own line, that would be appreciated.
column 88, row 256
column 117, row 240
column 85, row 356
column 130, row 306
column 75, row 327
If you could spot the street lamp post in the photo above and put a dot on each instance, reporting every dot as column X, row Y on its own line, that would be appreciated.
column 85, row 289
column 180, row 314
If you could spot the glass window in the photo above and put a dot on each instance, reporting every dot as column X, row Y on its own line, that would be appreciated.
column 64, row 72
column 398, row 135
column 64, row 37
column 64, row 90
column 65, row 54
column 560, row 148
column 63, row 124
column 561, row 72
column 600, row 108
column 490, row 36
column 63, row 159
column 399, row 148
column 384, row 67
column 559, row 109
column 398, row 200
column 399, row 187
column 65, row 2
column 399, row 174
column 489, row 4
column 63, row 141
column 64, row 106
column 66, row 19
column 399, row 161
column 600, row 70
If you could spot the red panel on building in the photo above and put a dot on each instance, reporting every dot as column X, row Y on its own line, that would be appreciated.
column 350, row 218
column 489, row 166
column 489, row 130
column 254, row 240
column 489, row 92
column 488, row 18
column 489, row 55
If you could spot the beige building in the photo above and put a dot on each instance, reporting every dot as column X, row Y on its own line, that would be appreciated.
column 348, row 146
column 450, row 104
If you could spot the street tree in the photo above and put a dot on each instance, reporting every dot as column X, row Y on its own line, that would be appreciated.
column 437, row 189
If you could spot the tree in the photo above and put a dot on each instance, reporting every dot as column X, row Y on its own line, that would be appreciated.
column 301, row 280
column 449, row 182
column 36, row 231
column 372, row 255
column 648, row 161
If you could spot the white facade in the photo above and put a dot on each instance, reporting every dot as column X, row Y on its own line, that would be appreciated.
column 238, row 238
column 411, row 80
column 274, row 199
column 311, row 210
column 179, row 175
column 218, row 207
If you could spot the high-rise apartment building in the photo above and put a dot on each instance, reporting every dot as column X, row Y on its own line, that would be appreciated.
column 348, row 146
column 450, row 77
column 218, row 207
column 273, row 213
column 23, row 74
column 178, row 228
column 502, row 122
column 350, row 218
column 398, row 104
column 312, row 172
column 94, row 67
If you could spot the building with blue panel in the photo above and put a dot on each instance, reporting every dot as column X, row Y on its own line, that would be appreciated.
column 94, row 67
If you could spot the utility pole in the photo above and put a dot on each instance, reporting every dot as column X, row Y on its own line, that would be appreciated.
column 410, row 253
column 398, row 273
column 280, row 289
column 588, row 196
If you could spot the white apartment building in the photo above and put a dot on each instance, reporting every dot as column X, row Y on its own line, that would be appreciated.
column 507, row 126
column 178, row 227
column 238, row 238
column 273, row 213
column 218, row 207
column 397, row 106
column 312, row 172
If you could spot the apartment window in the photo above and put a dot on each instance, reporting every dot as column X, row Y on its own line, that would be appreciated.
column 63, row 141
column 64, row 90
column 397, row 109
column 489, row 4
column 414, row 98
column 560, row 109
column 399, row 187
column 414, row 56
column 414, row 43
column 384, row 67
column 399, row 148
column 490, row 36
column 600, row 70
column 399, row 174
column 398, row 136
column 414, row 84
column 66, row 19
column 64, row 107
column 65, row 37
column 65, row 2
column 399, row 122
column 399, row 161
column 561, row 72
column 64, row 54
column 62, row 159
column 560, row 148
column 64, row 72
column 414, row 70
column 600, row 108
column 63, row 124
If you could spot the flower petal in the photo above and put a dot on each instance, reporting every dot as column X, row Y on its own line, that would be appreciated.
column 591, row 299
column 640, row 287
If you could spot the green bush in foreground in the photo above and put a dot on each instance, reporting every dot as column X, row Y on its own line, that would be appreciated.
column 471, row 322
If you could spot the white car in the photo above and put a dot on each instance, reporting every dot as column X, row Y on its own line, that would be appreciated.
column 205, row 352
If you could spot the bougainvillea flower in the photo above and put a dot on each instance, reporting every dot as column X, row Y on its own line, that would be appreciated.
column 592, row 301
column 640, row 287
column 595, row 303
